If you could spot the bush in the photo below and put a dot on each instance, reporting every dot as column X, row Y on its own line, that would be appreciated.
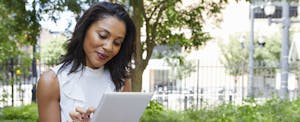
column 155, row 112
column 274, row 110
column 27, row 113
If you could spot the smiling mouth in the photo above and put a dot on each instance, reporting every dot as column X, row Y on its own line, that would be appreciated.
column 102, row 56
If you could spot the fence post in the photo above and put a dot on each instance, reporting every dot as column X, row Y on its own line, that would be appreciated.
column 197, row 84
column 12, row 80
column 34, row 75
column 185, row 102
column 201, row 98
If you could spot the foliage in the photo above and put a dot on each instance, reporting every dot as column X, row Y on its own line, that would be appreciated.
column 273, row 110
column 180, row 67
column 166, row 22
column 19, row 65
column 235, row 52
column 169, row 23
column 14, row 29
column 161, row 19
column 20, row 28
column 22, row 113
column 251, row 111
column 20, row 19
column 155, row 112
column 52, row 50
column 11, row 72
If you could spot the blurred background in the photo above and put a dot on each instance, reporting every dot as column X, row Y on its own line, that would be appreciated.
column 190, row 53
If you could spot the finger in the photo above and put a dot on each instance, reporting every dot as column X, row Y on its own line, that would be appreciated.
column 80, row 110
column 75, row 115
column 89, row 111
column 83, row 113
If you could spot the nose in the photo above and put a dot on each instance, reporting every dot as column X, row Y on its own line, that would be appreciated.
column 108, row 45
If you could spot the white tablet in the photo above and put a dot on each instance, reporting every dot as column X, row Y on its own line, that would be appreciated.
column 121, row 107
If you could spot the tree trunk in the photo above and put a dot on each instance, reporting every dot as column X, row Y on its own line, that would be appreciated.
column 138, row 61
column 137, row 79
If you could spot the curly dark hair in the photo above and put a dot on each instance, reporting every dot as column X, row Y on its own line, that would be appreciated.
column 119, row 65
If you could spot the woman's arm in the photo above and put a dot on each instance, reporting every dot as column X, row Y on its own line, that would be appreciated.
column 127, row 86
column 48, row 98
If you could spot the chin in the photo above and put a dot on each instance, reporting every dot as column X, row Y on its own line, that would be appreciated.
column 98, row 65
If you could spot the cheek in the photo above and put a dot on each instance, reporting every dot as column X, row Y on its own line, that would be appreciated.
column 91, row 38
column 89, row 45
column 86, row 46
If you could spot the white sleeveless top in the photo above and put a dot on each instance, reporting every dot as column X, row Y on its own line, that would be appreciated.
column 83, row 88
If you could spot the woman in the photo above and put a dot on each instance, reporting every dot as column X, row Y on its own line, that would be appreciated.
column 97, row 61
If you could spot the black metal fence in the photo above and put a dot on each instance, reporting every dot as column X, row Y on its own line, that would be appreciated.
column 204, row 85
column 18, row 82
column 210, row 85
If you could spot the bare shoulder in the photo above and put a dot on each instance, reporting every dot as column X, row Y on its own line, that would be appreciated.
column 48, row 85
column 48, row 97
column 47, row 76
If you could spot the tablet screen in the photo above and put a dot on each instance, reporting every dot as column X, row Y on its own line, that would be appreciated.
column 121, row 107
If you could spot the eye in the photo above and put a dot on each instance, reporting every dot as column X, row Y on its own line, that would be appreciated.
column 102, row 35
column 118, row 43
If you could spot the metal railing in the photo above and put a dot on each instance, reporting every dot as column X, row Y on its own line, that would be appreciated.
column 17, row 83
column 212, row 85
column 206, row 86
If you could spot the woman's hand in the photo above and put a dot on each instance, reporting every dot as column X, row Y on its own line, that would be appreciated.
column 81, row 114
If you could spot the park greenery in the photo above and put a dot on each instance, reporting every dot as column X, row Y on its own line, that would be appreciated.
column 236, row 53
column 273, row 110
column 158, row 19
column 26, row 113
column 16, row 30
column 52, row 50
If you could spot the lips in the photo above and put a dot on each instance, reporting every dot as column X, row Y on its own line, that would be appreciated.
column 102, row 56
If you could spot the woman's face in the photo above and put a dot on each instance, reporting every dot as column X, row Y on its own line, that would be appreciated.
column 103, row 41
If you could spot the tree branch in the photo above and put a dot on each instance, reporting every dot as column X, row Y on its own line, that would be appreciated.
column 147, row 21
column 156, row 7
column 149, row 50
column 144, row 13
column 150, row 39
column 154, row 27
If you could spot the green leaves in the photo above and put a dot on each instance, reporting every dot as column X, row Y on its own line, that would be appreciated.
column 52, row 50
column 22, row 113
column 176, row 18
column 234, row 54
column 20, row 19
column 18, row 30
column 15, row 28
column 155, row 112
column 274, row 110
column 173, row 23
